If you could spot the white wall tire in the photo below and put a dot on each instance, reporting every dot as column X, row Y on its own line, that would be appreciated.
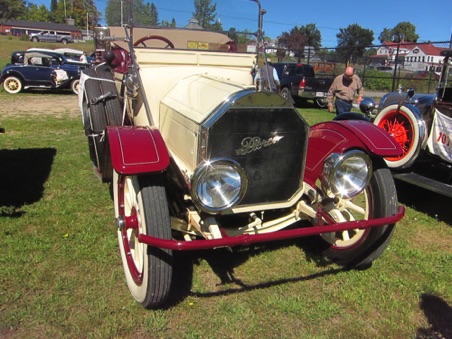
column 12, row 85
column 148, row 270
column 402, row 124
column 75, row 86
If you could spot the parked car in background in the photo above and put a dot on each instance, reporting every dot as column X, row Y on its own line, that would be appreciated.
column 51, row 36
column 43, row 69
column 422, row 125
column 300, row 82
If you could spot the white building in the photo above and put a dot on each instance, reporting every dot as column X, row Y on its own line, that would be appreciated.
column 424, row 57
column 411, row 56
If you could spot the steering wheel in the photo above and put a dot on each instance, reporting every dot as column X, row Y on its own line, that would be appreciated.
column 153, row 37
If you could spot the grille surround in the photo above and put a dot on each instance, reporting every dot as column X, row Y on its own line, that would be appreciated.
column 267, row 137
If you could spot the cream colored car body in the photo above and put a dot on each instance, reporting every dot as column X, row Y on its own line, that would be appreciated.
column 198, row 159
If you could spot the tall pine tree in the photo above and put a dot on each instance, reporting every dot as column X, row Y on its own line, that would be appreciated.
column 205, row 13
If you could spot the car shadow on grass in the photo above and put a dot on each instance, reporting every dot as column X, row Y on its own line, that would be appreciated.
column 23, row 173
column 223, row 261
column 433, row 204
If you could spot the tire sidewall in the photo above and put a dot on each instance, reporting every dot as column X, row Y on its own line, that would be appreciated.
column 138, row 291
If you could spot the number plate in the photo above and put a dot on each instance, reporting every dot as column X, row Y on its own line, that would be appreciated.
column 320, row 94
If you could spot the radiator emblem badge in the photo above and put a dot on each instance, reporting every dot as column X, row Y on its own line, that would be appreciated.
column 251, row 144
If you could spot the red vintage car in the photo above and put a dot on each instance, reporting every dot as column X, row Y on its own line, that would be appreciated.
column 198, row 159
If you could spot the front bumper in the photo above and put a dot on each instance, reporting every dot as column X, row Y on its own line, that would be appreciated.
column 248, row 239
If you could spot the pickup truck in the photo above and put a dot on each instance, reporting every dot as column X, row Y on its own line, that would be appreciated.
column 51, row 36
column 299, row 82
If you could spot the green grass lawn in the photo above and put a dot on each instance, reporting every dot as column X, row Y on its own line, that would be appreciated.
column 61, row 273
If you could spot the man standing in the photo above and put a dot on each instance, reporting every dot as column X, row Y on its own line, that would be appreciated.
column 343, row 89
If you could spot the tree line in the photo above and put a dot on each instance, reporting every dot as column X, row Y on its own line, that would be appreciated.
column 352, row 41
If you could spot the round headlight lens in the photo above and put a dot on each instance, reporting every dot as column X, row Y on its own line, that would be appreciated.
column 218, row 185
column 346, row 175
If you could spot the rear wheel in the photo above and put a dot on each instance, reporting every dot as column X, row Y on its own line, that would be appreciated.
column 402, row 125
column 358, row 248
column 75, row 84
column 285, row 93
column 12, row 85
column 148, row 270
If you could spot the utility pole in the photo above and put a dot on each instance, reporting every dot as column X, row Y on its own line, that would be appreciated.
column 122, row 13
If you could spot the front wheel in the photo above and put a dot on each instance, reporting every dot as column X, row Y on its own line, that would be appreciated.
column 358, row 248
column 148, row 270
column 12, row 85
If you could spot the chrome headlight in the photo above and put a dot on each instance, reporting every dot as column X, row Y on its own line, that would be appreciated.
column 218, row 185
column 346, row 175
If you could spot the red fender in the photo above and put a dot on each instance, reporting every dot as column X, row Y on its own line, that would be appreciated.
column 137, row 150
column 339, row 136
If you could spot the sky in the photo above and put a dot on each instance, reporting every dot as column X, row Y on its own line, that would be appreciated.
column 433, row 20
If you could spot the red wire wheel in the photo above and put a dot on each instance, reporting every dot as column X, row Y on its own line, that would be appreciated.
column 402, row 125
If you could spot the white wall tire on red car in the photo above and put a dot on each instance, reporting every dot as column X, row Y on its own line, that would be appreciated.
column 148, row 270
column 403, row 125
column 12, row 85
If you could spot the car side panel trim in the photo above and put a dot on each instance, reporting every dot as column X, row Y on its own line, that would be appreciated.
column 137, row 150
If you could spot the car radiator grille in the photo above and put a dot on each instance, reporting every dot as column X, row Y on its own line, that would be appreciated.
column 269, row 143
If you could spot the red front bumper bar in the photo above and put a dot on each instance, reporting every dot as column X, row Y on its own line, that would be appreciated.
column 247, row 239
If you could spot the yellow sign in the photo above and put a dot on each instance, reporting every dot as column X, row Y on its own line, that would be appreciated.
column 203, row 45
column 192, row 45
column 198, row 45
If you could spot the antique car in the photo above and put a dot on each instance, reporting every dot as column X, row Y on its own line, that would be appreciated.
column 196, row 158
column 40, row 69
column 422, row 125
